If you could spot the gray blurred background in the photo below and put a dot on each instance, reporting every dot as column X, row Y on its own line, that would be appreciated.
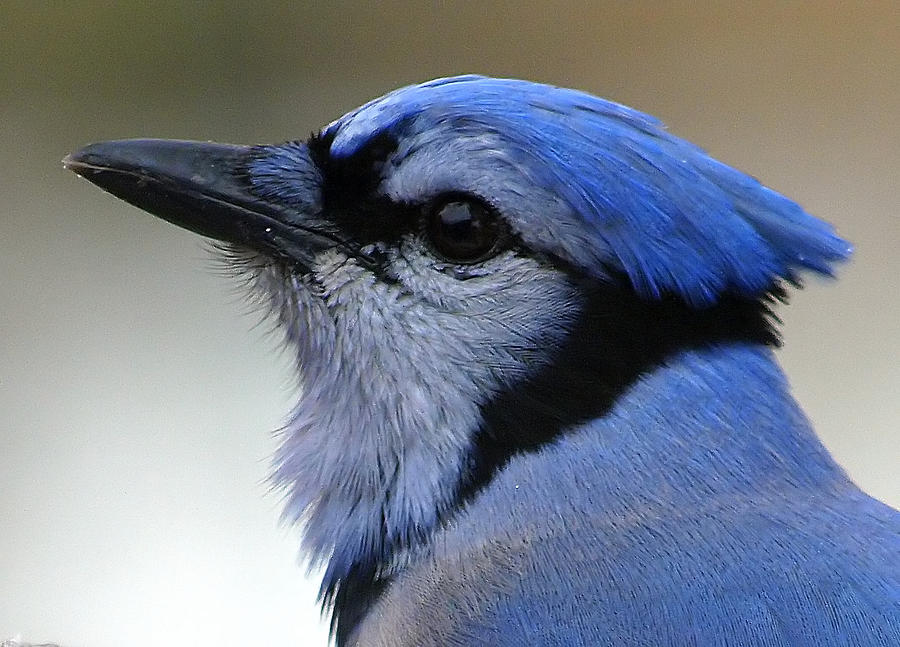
column 136, row 395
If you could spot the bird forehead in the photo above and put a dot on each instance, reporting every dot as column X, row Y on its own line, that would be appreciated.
column 445, row 103
column 354, row 129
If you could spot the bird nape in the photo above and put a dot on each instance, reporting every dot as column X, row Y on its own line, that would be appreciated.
column 539, row 403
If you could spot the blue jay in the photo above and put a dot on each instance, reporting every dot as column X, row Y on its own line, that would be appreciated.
column 540, row 403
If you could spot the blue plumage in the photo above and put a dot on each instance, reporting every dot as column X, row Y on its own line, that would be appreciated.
column 655, row 207
column 539, row 403
column 729, row 527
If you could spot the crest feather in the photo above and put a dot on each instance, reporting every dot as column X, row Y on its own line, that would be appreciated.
column 653, row 206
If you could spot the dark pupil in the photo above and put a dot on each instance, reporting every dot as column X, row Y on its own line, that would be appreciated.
column 463, row 232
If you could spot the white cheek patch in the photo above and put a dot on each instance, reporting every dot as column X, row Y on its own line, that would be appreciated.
column 394, row 375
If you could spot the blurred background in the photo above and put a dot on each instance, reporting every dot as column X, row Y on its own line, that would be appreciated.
column 137, row 395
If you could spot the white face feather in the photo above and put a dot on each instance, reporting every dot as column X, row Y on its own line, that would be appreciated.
column 393, row 377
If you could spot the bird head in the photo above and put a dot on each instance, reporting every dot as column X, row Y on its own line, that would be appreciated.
column 466, row 268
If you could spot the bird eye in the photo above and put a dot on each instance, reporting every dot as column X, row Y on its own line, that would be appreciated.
column 463, row 230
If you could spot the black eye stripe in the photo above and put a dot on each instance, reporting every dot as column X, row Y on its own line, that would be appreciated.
column 459, row 228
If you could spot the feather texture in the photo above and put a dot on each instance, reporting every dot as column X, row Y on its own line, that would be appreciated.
column 579, row 437
column 643, row 201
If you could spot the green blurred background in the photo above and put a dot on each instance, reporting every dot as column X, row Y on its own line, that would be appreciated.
column 136, row 394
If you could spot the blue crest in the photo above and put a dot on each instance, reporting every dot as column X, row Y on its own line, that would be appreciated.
column 645, row 203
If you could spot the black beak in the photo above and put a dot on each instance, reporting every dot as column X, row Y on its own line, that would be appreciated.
column 203, row 187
